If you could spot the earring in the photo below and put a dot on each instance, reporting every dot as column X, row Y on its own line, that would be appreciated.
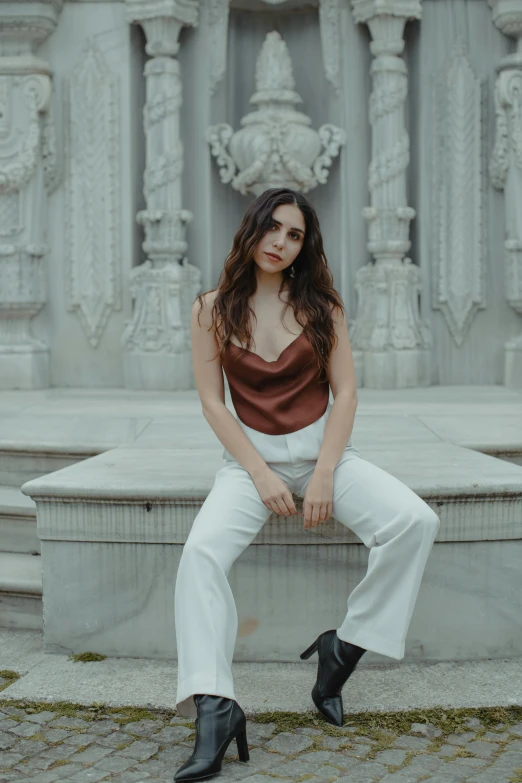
column 292, row 271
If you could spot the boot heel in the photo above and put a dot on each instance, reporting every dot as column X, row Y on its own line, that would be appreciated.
column 242, row 746
column 310, row 651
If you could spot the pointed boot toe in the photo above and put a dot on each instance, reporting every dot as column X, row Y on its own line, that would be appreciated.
column 219, row 721
column 331, row 707
column 196, row 769
column 337, row 661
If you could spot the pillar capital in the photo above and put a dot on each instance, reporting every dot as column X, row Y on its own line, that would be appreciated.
column 24, row 25
column 366, row 10
column 386, row 20
column 162, row 21
column 507, row 16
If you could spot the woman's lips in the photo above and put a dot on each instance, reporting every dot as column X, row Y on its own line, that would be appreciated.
column 271, row 257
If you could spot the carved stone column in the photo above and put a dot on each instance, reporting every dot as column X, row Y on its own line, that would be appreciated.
column 157, row 346
column 506, row 170
column 27, row 174
column 391, row 344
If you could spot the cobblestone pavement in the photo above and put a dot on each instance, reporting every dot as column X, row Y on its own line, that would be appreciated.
column 61, row 742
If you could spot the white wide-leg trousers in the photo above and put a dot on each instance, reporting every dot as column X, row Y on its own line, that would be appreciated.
column 390, row 519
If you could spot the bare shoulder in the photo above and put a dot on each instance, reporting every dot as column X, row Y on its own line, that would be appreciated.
column 203, row 312
column 208, row 373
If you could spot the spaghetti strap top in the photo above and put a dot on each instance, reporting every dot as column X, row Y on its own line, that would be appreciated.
column 276, row 397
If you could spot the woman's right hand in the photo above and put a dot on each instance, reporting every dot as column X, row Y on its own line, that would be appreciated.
column 274, row 493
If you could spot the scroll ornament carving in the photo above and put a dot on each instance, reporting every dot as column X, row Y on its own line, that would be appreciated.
column 39, row 142
column 508, row 126
column 387, row 98
column 508, row 139
column 161, row 106
column 20, row 169
column 217, row 34
column 52, row 174
column 164, row 169
column 22, row 279
column 329, row 24
column 276, row 147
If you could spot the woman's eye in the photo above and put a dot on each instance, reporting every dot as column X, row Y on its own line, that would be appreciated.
column 295, row 236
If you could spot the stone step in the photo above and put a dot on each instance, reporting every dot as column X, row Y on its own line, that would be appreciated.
column 20, row 591
column 17, row 522
column 20, row 462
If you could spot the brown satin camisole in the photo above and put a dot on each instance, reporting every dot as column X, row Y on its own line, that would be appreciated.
column 276, row 397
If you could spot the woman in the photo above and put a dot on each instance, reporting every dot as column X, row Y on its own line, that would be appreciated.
column 276, row 292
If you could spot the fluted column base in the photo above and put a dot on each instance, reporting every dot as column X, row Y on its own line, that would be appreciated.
column 163, row 372
column 391, row 344
column 393, row 369
column 513, row 363
column 24, row 367
column 157, row 346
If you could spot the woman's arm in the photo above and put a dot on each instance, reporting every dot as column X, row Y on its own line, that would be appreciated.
column 208, row 375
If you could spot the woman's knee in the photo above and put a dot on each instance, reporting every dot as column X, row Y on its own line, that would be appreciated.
column 197, row 547
column 208, row 551
column 425, row 521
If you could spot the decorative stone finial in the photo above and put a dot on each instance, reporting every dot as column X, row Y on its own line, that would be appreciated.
column 276, row 148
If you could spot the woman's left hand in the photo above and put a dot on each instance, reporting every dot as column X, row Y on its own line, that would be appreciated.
column 317, row 501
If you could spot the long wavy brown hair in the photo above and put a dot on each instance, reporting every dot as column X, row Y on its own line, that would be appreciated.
column 311, row 292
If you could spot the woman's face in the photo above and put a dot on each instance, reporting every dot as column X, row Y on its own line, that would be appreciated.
column 284, row 237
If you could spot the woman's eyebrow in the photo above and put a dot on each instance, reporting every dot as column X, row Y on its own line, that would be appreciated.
column 292, row 229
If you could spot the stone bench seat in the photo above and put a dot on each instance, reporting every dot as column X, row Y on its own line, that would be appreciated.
column 112, row 528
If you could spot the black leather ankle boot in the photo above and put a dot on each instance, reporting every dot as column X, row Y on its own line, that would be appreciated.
column 219, row 721
column 337, row 660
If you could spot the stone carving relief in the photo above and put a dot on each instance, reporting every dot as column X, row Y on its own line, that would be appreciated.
column 28, row 172
column 459, row 193
column 276, row 146
column 92, row 116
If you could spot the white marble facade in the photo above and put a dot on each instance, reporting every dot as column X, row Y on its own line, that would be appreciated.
column 134, row 133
